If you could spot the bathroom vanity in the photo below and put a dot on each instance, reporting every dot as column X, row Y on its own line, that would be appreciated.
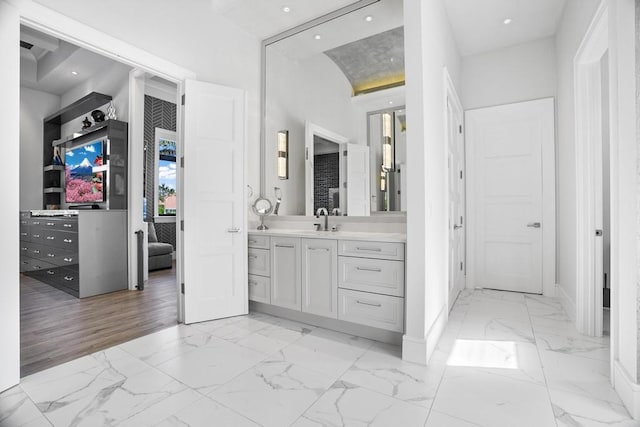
column 349, row 281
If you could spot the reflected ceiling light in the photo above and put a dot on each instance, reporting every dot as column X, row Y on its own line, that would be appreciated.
column 484, row 354
column 390, row 102
column 317, row 37
column 368, row 18
column 75, row 73
column 286, row 9
column 507, row 21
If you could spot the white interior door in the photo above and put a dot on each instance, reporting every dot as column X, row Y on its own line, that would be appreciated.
column 457, row 240
column 358, row 200
column 214, row 212
column 505, row 186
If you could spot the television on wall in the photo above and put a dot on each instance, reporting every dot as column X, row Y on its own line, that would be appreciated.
column 85, row 173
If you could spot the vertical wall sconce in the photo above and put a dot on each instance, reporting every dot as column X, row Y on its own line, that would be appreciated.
column 283, row 154
column 387, row 138
column 383, row 181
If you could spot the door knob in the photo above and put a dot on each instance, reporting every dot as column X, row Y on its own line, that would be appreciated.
column 534, row 225
column 456, row 226
column 233, row 230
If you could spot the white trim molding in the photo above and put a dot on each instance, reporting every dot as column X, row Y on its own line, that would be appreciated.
column 627, row 389
column 420, row 350
column 567, row 302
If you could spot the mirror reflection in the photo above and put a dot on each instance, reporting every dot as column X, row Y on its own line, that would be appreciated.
column 330, row 88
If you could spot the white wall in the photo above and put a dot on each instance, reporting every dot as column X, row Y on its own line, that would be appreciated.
column 9, row 176
column 35, row 105
column 429, row 46
column 114, row 81
column 514, row 74
column 573, row 25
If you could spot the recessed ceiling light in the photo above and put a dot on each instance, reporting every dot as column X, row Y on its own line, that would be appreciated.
column 75, row 73
column 317, row 37
column 390, row 102
column 368, row 18
column 507, row 21
column 286, row 9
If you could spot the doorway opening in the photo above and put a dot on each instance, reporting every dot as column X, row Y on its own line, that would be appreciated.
column 84, row 100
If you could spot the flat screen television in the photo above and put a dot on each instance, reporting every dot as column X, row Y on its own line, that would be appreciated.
column 85, row 173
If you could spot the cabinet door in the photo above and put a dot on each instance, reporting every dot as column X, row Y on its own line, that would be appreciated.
column 320, row 277
column 285, row 272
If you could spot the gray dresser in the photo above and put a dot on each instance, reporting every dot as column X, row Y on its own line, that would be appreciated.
column 84, row 254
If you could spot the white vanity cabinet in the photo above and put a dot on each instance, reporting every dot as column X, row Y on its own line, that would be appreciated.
column 329, row 281
column 320, row 277
column 286, row 272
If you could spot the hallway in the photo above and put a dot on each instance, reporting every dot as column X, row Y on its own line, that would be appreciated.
column 505, row 359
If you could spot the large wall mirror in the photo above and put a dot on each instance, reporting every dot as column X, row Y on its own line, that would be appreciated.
column 336, row 86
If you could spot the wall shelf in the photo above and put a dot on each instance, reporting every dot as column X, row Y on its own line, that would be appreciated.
column 49, row 168
column 82, row 106
column 53, row 190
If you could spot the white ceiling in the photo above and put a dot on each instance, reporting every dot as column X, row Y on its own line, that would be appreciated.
column 478, row 24
column 265, row 18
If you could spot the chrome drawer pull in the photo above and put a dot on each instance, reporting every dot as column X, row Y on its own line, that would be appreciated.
column 24, row 249
column 369, row 304
column 23, row 234
column 37, row 236
column 67, row 225
column 51, row 238
column 68, row 259
column 253, row 283
column 375, row 270
column 68, row 241
column 253, row 256
column 369, row 249
column 319, row 249
column 68, row 278
column 51, row 255
column 37, row 267
column 51, row 224
column 285, row 246
column 253, row 241
column 35, row 251
column 35, row 223
column 49, row 272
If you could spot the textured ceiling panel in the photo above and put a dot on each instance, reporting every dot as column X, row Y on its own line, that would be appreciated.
column 372, row 63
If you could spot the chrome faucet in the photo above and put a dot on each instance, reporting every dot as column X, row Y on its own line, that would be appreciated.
column 335, row 212
column 322, row 211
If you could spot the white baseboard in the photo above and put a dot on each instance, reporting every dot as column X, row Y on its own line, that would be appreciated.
column 627, row 389
column 419, row 350
column 568, row 303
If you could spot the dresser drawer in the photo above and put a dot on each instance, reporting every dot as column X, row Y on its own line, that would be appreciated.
column 371, row 275
column 66, row 224
column 68, row 278
column 258, row 242
column 32, row 264
column 259, row 262
column 260, row 289
column 378, row 311
column 58, row 256
column 377, row 250
column 25, row 234
column 61, row 239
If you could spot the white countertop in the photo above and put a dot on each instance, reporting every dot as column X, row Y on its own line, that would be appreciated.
column 334, row 235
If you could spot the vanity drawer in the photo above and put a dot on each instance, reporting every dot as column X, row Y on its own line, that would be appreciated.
column 259, row 242
column 260, row 289
column 378, row 311
column 259, row 262
column 377, row 250
column 371, row 275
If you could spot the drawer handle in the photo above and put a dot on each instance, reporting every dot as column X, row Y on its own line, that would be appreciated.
column 37, row 267
column 68, row 259
column 68, row 241
column 253, row 256
column 35, row 251
column 51, row 224
column 24, row 249
column 35, row 223
column 369, row 249
column 285, row 246
column 23, row 234
column 25, row 262
column 51, row 272
column 253, row 241
column 51, row 255
column 253, row 283
column 67, row 225
column 319, row 249
column 68, row 278
column 51, row 238
column 375, row 270
column 368, row 303
column 37, row 236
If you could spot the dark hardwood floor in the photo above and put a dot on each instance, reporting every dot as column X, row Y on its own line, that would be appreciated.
column 55, row 327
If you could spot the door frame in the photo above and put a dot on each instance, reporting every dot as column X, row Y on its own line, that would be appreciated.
column 548, row 207
column 588, row 129
column 450, row 93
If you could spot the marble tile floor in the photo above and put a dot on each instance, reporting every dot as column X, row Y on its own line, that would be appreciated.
column 505, row 359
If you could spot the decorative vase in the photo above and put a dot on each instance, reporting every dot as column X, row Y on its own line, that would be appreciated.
column 86, row 123
column 98, row 116
column 111, row 111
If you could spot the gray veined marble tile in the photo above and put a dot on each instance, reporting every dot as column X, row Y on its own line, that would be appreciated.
column 438, row 419
column 576, row 344
column 346, row 404
column 204, row 413
column 274, row 337
column 496, row 328
column 577, row 410
column 16, row 409
column 502, row 296
column 382, row 370
column 273, row 393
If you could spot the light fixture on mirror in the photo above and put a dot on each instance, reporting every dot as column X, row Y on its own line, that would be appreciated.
column 387, row 136
column 383, row 181
column 283, row 154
